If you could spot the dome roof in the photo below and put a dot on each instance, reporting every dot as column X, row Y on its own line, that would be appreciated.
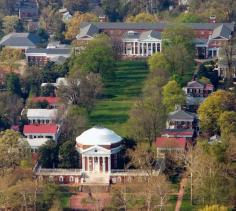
column 98, row 136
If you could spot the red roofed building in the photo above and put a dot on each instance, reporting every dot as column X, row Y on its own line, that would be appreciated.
column 52, row 101
column 37, row 134
column 166, row 144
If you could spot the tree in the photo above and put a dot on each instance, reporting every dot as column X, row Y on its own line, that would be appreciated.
column 13, row 150
column 10, row 107
column 12, row 24
column 77, row 5
column 81, row 91
column 115, row 10
column 189, row 18
column 48, row 90
column 178, row 49
column 147, row 118
column 13, row 84
column 68, row 155
column 210, row 110
column 48, row 154
column 228, row 56
column 74, row 123
column 172, row 95
column 73, row 26
column 142, row 18
column 227, row 123
column 214, row 208
column 97, row 57
column 10, row 57
column 50, row 20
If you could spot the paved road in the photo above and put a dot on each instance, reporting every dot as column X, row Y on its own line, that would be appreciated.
column 180, row 194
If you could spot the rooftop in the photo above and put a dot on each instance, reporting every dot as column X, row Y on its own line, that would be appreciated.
column 21, row 39
column 98, row 136
column 41, row 113
column 38, row 129
column 49, row 100
column 171, row 143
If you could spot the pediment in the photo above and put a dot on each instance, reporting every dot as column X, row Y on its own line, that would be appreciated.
column 96, row 150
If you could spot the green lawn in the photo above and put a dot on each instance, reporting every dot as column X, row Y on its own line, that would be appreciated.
column 119, row 95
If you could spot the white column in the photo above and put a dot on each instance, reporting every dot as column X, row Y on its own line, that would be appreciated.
column 156, row 47
column 160, row 46
column 103, row 164
column 138, row 49
column 152, row 48
column 83, row 163
column 134, row 48
column 109, row 164
column 93, row 163
column 142, row 46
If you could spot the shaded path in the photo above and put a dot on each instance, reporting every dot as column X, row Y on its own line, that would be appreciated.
column 181, row 194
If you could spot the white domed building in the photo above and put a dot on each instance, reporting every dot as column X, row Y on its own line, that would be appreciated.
column 99, row 149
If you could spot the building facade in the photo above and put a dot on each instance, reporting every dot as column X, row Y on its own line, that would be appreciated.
column 144, row 39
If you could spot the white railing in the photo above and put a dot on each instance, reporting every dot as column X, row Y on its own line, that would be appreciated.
column 57, row 171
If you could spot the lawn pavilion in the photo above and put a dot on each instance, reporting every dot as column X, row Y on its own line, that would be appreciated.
column 99, row 149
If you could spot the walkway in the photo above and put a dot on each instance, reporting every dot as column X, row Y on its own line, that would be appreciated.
column 181, row 193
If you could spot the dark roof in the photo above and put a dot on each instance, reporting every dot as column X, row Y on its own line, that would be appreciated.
column 88, row 30
column 56, row 51
column 179, row 115
column 150, row 34
column 152, row 26
column 222, row 31
column 21, row 39
column 131, row 35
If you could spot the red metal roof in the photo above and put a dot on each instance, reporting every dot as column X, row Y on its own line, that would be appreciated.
column 178, row 133
column 50, row 100
column 165, row 142
column 45, row 128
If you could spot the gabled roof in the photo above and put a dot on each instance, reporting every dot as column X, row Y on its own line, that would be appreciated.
column 21, row 39
column 150, row 34
column 89, row 30
column 45, row 128
column 49, row 100
column 171, row 143
column 221, row 31
column 152, row 26
column 180, row 115
column 195, row 84
column 131, row 35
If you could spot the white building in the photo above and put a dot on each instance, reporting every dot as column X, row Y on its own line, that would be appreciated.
column 99, row 149
column 42, row 116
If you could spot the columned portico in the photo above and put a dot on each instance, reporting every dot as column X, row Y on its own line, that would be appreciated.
column 96, row 164
column 99, row 149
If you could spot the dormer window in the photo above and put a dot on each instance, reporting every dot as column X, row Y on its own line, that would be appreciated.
column 131, row 32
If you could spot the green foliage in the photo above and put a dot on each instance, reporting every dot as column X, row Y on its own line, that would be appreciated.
column 172, row 95
column 211, row 109
column 189, row 18
column 47, row 91
column 68, row 155
column 13, row 84
column 214, row 207
column 142, row 18
column 13, row 151
column 227, row 123
column 12, row 24
column 48, row 154
column 76, row 5
column 98, row 57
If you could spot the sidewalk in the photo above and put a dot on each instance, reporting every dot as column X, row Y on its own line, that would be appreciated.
column 181, row 193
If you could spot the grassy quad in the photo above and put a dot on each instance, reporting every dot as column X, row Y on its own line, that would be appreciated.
column 112, row 110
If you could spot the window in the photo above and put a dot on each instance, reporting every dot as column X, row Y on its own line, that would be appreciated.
column 30, row 136
column 61, row 179
column 71, row 179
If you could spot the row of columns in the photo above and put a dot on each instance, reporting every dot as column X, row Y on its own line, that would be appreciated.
column 142, row 48
column 103, row 162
